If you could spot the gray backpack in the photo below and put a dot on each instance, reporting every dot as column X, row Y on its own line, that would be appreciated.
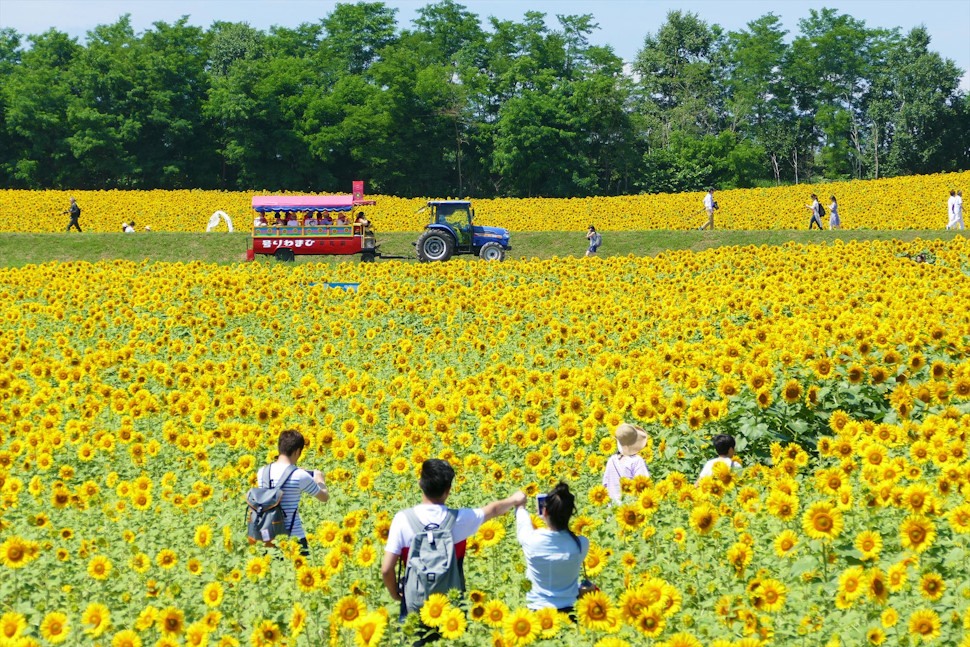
column 264, row 514
column 432, row 565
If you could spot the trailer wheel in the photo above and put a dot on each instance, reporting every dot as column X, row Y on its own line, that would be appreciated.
column 367, row 257
column 284, row 254
column 491, row 252
column 435, row 245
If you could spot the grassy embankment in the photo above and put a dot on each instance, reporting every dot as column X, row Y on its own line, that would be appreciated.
column 17, row 250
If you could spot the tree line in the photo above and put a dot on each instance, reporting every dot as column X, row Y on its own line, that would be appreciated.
column 447, row 107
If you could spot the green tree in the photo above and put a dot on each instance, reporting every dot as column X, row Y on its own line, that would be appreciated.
column 9, row 61
column 678, row 68
column 356, row 33
column 36, row 95
column 916, row 116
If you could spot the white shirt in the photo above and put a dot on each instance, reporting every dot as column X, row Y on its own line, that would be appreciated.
column 708, row 469
column 299, row 482
column 622, row 467
column 958, row 206
column 709, row 201
column 553, row 561
column 951, row 205
column 400, row 534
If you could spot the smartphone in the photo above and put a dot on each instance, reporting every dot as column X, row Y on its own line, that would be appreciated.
column 541, row 503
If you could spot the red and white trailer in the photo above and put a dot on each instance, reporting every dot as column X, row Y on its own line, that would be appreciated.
column 287, row 225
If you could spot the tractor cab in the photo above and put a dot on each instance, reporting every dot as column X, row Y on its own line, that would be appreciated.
column 456, row 216
column 452, row 231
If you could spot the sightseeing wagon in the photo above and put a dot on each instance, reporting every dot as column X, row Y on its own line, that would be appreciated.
column 287, row 225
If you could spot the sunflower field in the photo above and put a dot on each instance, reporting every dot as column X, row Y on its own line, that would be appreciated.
column 913, row 202
column 137, row 402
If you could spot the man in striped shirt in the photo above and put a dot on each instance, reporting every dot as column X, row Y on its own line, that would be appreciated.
column 290, row 446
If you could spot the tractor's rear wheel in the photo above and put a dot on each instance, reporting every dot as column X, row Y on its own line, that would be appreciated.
column 284, row 254
column 492, row 252
column 434, row 245
column 367, row 257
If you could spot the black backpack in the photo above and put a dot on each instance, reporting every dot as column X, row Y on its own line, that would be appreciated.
column 821, row 210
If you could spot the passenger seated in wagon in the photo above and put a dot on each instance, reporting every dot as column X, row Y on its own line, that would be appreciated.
column 291, row 220
column 326, row 220
column 312, row 221
column 280, row 220
column 259, row 221
column 341, row 219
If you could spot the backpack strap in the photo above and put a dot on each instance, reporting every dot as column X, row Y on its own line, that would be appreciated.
column 412, row 518
column 287, row 473
column 451, row 517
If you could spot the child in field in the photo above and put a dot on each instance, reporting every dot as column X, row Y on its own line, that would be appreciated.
column 626, row 463
column 724, row 446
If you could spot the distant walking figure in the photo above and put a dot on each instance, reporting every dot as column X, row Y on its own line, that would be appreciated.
column 834, row 222
column 709, row 206
column 954, row 207
column 817, row 212
column 75, row 212
column 595, row 240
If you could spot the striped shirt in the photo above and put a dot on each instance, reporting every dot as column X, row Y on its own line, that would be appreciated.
column 299, row 482
column 622, row 467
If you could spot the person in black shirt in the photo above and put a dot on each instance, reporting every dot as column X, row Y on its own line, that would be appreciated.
column 75, row 212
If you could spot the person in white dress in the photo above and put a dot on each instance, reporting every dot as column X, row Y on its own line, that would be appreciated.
column 951, row 210
column 834, row 222
column 955, row 208
column 626, row 463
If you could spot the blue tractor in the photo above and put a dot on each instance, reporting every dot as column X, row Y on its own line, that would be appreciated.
column 451, row 231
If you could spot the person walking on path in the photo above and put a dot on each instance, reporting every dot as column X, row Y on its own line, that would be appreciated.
column 834, row 222
column 595, row 240
column 955, row 210
column 817, row 212
column 709, row 207
column 75, row 212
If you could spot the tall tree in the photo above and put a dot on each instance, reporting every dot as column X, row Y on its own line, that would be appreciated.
column 917, row 110
column 356, row 33
column 678, row 68
column 36, row 96
column 758, row 98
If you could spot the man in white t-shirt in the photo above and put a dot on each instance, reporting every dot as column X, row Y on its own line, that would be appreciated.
column 290, row 445
column 709, row 207
column 951, row 207
column 956, row 212
column 724, row 446
column 435, row 483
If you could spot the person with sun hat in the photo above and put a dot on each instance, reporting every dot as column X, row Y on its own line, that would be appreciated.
column 626, row 463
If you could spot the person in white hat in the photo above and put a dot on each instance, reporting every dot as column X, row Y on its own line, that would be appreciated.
column 626, row 463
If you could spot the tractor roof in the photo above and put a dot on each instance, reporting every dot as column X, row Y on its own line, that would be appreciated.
column 438, row 203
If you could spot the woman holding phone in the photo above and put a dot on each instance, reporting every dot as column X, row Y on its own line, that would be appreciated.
column 553, row 555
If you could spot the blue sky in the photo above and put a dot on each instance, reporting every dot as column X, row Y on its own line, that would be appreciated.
column 623, row 23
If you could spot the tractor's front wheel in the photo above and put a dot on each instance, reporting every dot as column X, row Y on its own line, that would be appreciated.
column 434, row 245
column 492, row 252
